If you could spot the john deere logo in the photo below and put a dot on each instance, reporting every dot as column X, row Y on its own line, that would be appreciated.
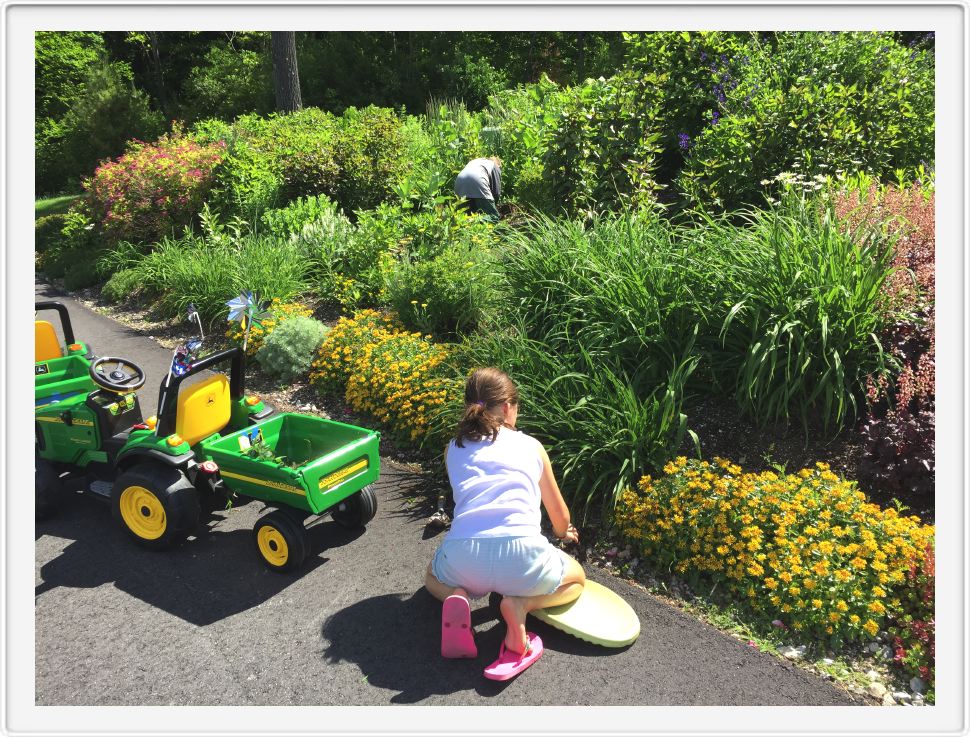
column 210, row 400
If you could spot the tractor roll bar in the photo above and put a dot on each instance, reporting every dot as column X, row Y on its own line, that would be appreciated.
column 65, row 318
column 168, row 392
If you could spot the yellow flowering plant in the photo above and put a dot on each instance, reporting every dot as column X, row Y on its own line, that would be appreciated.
column 390, row 373
column 806, row 548
column 280, row 312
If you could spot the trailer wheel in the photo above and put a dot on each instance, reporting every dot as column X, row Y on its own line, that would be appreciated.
column 356, row 510
column 281, row 541
column 156, row 504
column 48, row 489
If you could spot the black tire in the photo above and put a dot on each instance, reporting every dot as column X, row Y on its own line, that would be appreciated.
column 356, row 510
column 48, row 489
column 156, row 504
column 280, row 540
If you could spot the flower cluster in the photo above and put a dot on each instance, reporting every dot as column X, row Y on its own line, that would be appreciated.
column 804, row 548
column 153, row 189
column 388, row 372
column 280, row 311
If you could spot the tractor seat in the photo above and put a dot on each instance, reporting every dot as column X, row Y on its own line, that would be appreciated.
column 203, row 409
column 46, row 344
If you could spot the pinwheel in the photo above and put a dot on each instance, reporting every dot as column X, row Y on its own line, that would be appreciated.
column 246, row 309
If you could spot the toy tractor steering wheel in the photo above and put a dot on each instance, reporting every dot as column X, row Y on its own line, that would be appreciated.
column 124, row 377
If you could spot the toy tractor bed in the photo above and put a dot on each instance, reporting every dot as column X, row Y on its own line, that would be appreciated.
column 209, row 446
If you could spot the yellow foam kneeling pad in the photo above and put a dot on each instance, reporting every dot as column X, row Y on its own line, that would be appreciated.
column 598, row 616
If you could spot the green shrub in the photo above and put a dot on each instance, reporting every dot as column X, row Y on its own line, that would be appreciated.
column 369, row 152
column 110, row 112
column 297, row 215
column 229, row 83
column 47, row 231
column 76, row 243
column 816, row 103
column 122, row 285
column 288, row 350
column 442, row 280
column 603, row 146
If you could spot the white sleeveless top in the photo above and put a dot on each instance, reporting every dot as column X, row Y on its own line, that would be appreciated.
column 496, row 486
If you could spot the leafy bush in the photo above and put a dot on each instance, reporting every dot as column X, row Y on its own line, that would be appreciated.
column 814, row 102
column 369, row 152
column 280, row 312
column 394, row 375
column 439, row 275
column 805, row 548
column 109, row 112
column 47, row 231
column 153, row 190
column 230, row 82
column 287, row 351
column 121, row 285
column 603, row 145
column 76, row 243
column 694, row 72
column 297, row 215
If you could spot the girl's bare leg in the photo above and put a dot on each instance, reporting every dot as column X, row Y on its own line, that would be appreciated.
column 439, row 590
column 515, row 608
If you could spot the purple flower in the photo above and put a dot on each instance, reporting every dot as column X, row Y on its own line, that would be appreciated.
column 715, row 116
column 683, row 141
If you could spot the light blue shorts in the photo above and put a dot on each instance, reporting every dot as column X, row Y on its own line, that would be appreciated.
column 510, row 566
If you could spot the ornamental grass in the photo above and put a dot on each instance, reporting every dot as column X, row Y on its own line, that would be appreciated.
column 805, row 548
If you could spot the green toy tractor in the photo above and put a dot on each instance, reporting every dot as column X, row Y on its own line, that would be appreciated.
column 210, row 444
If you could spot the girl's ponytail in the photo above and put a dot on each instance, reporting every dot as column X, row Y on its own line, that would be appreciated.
column 486, row 391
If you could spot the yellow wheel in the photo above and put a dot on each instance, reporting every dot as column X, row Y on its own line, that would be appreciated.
column 281, row 540
column 272, row 546
column 142, row 513
column 156, row 504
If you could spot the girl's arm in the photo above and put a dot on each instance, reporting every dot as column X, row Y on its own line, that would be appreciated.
column 554, row 503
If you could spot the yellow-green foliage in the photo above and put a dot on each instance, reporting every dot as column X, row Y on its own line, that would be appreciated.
column 388, row 372
column 806, row 548
column 280, row 312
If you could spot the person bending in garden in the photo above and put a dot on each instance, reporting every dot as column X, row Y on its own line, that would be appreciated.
column 499, row 477
column 480, row 182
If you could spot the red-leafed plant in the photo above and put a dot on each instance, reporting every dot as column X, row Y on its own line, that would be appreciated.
column 900, row 427
column 914, row 633
column 153, row 190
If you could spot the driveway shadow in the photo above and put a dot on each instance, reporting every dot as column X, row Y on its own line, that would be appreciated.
column 405, row 654
column 213, row 575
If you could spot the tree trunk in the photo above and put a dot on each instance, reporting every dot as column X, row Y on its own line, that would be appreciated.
column 286, row 75
column 156, row 60
column 582, row 57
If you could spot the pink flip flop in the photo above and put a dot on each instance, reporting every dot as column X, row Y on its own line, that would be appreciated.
column 510, row 664
column 457, row 640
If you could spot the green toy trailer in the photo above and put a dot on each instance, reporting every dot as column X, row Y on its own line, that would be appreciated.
column 209, row 444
